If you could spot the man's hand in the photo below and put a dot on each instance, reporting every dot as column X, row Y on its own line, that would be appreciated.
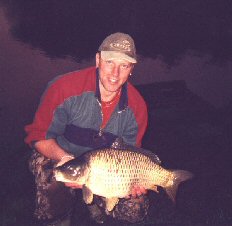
column 73, row 185
column 137, row 191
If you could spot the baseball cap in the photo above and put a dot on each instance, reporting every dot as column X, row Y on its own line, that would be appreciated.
column 118, row 46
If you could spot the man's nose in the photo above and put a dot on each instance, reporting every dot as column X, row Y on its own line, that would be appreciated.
column 116, row 70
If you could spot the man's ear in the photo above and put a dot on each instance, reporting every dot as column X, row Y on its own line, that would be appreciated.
column 97, row 59
column 132, row 68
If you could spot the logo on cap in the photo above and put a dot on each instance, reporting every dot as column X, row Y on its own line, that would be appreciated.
column 124, row 45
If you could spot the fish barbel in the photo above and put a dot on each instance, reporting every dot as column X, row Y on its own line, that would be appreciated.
column 112, row 173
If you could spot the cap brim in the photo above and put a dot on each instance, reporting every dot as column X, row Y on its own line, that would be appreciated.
column 110, row 55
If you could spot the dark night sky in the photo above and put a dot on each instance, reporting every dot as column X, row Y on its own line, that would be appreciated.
column 176, row 39
column 160, row 27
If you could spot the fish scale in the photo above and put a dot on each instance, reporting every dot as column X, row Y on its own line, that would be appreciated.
column 115, row 173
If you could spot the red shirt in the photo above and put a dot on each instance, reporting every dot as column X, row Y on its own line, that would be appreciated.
column 108, row 108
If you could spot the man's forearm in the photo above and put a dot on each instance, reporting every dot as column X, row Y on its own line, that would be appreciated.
column 50, row 149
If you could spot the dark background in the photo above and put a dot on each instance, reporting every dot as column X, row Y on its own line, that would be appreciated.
column 190, row 125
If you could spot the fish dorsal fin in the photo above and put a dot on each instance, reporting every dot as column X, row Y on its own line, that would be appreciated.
column 147, row 153
column 87, row 195
column 120, row 144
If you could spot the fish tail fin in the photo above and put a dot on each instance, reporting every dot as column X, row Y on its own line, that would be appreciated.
column 179, row 176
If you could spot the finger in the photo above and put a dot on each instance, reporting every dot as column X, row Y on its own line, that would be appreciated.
column 72, row 185
column 140, row 191
column 134, row 193
column 64, row 159
column 143, row 190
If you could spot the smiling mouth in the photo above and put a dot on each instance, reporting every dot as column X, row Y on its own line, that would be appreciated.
column 113, row 80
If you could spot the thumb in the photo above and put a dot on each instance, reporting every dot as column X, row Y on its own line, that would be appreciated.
column 64, row 159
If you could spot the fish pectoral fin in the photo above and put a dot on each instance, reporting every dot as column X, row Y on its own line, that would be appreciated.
column 154, row 188
column 111, row 202
column 87, row 195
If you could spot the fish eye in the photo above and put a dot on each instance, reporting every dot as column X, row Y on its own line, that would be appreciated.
column 76, row 171
column 70, row 168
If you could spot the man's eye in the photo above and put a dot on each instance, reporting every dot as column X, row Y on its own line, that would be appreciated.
column 125, row 66
column 109, row 62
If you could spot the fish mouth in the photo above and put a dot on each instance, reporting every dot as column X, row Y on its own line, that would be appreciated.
column 58, row 176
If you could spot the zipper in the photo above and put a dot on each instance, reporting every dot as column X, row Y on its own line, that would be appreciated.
column 100, row 132
column 100, row 129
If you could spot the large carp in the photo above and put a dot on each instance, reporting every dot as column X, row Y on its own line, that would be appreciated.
column 112, row 173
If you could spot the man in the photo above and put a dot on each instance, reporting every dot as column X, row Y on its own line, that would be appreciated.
column 81, row 111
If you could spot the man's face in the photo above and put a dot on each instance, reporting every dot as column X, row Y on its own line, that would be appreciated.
column 113, row 73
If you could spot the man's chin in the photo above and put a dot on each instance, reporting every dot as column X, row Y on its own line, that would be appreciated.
column 113, row 88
